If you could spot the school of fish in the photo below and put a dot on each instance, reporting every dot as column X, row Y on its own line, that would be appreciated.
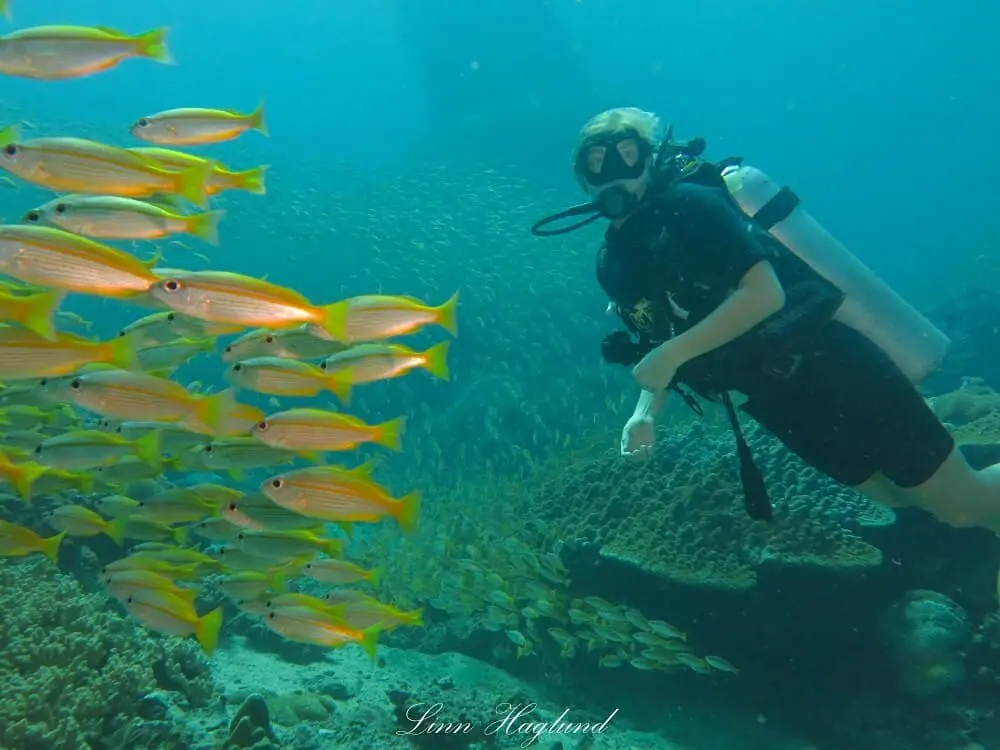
column 88, row 427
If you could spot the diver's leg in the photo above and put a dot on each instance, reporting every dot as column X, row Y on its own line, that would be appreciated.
column 961, row 496
column 880, row 490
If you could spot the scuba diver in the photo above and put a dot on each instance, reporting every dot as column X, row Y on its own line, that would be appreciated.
column 726, row 285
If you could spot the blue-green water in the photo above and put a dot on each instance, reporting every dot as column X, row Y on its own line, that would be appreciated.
column 411, row 145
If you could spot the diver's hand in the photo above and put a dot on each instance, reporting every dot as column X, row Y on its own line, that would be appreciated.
column 638, row 437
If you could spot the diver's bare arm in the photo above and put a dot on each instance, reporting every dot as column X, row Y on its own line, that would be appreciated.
column 758, row 296
column 649, row 404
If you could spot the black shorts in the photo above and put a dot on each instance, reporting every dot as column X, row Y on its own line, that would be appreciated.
column 850, row 412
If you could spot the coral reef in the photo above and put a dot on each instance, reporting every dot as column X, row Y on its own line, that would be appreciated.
column 971, row 412
column 926, row 635
column 680, row 515
column 74, row 670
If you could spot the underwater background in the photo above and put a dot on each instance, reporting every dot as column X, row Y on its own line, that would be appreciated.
column 410, row 146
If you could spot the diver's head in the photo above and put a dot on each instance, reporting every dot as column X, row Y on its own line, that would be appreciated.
column 613, row 162
column 613, row 159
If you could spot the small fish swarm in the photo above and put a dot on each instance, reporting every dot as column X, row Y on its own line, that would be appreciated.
column 73, row 669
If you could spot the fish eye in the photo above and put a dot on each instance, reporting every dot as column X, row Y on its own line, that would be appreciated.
column 270, row 615
column 171, row 316
column 322, row 365
column 38, row 449
column 241, row 536
column 269, row 339
column 43, row 382
column 262, row 425
column 277, row 483
column 119, row 429
column 32, row 216
column 237, row 367
column 172, row 285
column 60, row 208
column 75, row 384
column 10, row 149
column 143, row 123
column 228, row 349
column 129, row 600
column 231, row 506
column 209, row 449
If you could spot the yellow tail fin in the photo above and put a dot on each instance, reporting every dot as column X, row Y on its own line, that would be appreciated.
column 120, row 353
column 147, row 449
column 256, row 119
column 369, row 641
column 374, row 578
column 446, row 315
column 5, row 10
column 436, row 360
column 207, row 630
column 153, row 44
column 26, row 478
column 409, row 509
column 50, row 546
column 335, row 319
column 390, row 434
column 205, row 226
column 340, row 384
column 36, row 314
column 191, row 184
column 116, row 530
column 252, row 180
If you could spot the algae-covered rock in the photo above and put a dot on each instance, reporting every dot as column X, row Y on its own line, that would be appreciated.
column 293, row 708
column 250, row 727
column 680, row 516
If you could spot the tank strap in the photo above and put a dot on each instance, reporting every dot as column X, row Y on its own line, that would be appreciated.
column 777, row 209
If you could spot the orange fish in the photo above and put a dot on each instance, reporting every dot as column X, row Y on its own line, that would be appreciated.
column 120, row 394
column 53, row 53
column 166, row 612
column 368, row 363
column 61, row 260
column 332, row 493
column 308, row 625
column 25, row 354
column 315, row 430
column 76, row 165
column 232, row 298
column 376, row 317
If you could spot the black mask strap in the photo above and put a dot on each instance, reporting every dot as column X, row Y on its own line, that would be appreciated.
column 755, row 496
column 581, row 210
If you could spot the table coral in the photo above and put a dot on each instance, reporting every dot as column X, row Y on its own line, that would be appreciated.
column 74, row 669
column 680, row 516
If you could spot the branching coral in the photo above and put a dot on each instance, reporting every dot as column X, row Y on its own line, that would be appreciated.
column 72, row 668
column 680, row 516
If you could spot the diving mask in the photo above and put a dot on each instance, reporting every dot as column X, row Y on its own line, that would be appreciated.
column 613, row 158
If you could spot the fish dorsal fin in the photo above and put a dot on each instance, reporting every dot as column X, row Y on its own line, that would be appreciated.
column 364, row 470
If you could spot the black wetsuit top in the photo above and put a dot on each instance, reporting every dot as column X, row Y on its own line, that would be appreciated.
column 825, row 390
column 679, row 257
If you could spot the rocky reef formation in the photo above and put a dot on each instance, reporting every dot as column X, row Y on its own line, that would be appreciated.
column 927, row 636
column 75, row 672
column 680, row 515
column 971, row 412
